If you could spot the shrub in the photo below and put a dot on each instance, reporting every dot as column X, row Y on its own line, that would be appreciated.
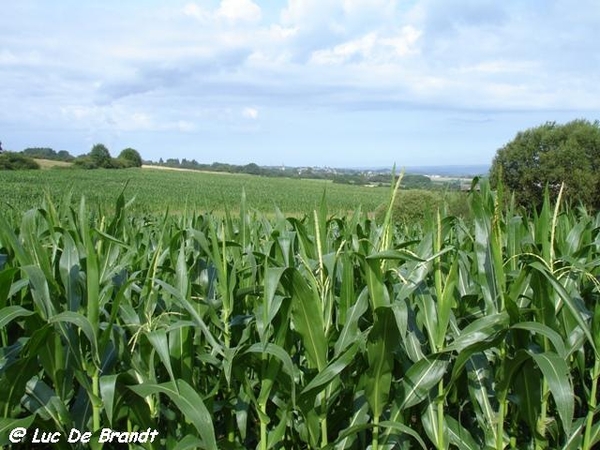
column 17, row 161
column 85, row 162
column 417, row 205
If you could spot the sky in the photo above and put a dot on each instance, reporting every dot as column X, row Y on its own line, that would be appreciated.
column 341, row 83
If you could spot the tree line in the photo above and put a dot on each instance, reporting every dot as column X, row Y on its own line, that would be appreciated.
column 538, row 161
column 98, row 157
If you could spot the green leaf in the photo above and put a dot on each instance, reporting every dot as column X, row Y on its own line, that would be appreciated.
column 383, row 338
column 83, row 324
column 391, row 428
column 378, row 292
column 430, row 420
column 308, row 318
column 400, row 255
column 360, row 417
column 269, row 308
column 91, row 269
column 41, row 399
column 545, row 331
column 158, row 339
column 481, row 395
column 7, row 424
column 189, row 403
column 189, row 442
column 278, row 352
column 107, row 384
column 573, row 307
column 189, row 307
column 596, row 325
column 403, row 429
column 350, row 332
column 480, row 330
column 40, row 291
column 6, row 277
column 332, row 370
column 459, row 436
column 10, row 313
column 70, row 269
column 526, row 387
column 556, row 372
column 421, row 378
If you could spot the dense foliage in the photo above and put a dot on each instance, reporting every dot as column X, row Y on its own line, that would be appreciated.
column 16, row 161
column 131, row 156
column 548, row 155
column 48, row 153
column 315, row 332
column 99, row 158
column 413, row 206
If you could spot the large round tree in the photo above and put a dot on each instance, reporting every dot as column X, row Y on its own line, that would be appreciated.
column 131, row 157
column 100, row 156
column 548, row 155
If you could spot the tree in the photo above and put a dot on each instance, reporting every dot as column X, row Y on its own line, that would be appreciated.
column 39, row 152
column 131, row 157
column 100, row 156
column 252, row 169
column 545, row 156
column 64, row 155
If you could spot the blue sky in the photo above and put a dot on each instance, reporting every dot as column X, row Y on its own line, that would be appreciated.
column 342, row 83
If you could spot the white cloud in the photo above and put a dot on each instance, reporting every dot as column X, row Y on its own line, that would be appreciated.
column 196, row 11
column 361, row 47
column 371, row 48
column 231, row 11
column 250, row 113
column 403, row 43
column 359, row 6
column 280, row 32
column 299, row 12
column 239, row 11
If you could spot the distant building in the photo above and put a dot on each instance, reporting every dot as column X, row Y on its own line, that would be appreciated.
column 0, row 146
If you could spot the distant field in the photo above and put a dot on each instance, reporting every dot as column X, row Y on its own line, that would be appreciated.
column 50, row 163
column 156, row 190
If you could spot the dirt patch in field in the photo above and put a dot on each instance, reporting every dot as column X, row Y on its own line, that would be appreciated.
column 50, row 163
column 180, row 169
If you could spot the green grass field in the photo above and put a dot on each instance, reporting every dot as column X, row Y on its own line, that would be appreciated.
column 156, row 190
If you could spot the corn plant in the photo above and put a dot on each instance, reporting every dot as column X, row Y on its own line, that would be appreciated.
column 246, row 330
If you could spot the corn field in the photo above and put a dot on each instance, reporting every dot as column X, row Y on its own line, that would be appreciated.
column 322, row 332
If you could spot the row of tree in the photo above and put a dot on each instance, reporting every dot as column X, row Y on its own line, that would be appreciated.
column 48, row 153
column 99, row 158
